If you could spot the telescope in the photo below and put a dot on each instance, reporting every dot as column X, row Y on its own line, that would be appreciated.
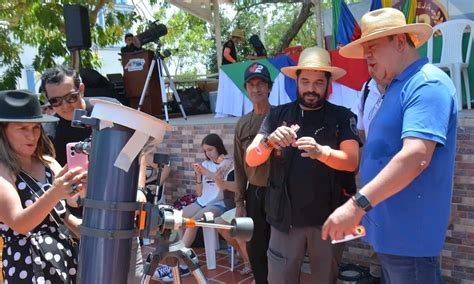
column 108, row 227
column 153, row 32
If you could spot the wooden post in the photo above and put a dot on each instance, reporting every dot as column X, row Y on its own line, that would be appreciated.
column 262, row 22
column 319, row 23
column 76, row 59
column 217, row 26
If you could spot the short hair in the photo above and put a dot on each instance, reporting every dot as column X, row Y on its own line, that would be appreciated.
column 57, row 74
column 215, row 141
column 128, row 35
column 407, row 36
column 9, row 158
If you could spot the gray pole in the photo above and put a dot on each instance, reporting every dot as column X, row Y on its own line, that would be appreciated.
column 107, row 233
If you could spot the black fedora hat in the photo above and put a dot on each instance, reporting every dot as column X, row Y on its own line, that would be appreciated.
column 21, row 106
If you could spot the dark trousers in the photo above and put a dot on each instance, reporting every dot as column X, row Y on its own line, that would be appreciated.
column 286, row 252
column 257, row 247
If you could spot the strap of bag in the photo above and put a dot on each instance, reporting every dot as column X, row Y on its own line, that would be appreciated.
column 37, row 191
column 366, row 93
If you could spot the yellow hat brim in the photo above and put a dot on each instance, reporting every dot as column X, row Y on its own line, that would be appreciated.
column 419, row 33
column 336, row 72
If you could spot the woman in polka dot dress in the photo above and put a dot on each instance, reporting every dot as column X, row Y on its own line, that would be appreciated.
column 34, row 250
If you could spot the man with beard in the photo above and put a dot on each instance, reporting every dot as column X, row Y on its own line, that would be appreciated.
column 308, row 143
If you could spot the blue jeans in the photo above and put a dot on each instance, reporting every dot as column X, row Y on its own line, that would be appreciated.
column 406, row 269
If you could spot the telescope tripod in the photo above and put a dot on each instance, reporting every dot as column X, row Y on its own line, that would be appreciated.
column 159, row 61
column 170, row 250
column 161, row 223
column 172, row 254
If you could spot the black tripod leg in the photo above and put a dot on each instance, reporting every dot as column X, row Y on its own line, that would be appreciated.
column 149, row 267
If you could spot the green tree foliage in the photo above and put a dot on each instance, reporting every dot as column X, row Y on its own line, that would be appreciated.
column 40, row 24
column 188, row 39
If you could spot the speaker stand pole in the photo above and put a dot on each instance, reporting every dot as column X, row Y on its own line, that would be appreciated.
column 76, row 59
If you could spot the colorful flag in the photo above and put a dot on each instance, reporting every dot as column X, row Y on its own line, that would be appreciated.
column 409, row 9
column 345, row 27
column 336, row 13
column 376, row 4
column 386, row 3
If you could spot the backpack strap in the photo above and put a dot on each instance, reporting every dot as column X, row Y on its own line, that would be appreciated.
column 365, row 93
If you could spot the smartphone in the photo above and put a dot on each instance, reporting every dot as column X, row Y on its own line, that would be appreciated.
column 76, row 159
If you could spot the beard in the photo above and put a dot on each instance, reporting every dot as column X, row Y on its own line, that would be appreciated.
column 312, row 105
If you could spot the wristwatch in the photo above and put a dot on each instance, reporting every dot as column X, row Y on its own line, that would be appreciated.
column 266, row 142
column 362, row 202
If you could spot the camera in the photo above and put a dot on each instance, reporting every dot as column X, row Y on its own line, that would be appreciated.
column 153, row 32
column 161, row 159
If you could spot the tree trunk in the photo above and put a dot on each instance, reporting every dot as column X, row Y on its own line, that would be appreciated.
column 296, row 25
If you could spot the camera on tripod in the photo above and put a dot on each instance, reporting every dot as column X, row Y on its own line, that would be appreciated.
column 152, row 34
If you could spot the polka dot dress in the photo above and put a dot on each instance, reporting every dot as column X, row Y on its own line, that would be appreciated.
column 46, row 256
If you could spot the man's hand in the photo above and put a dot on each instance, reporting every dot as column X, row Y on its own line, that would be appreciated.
column 310, row 147
column 342, row 221
column 240, row 211
column 283, row 136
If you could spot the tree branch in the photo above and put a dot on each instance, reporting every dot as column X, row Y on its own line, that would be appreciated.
column 93, row 14
column 296, row 25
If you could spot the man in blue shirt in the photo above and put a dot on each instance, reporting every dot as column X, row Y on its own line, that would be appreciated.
column 407, row 165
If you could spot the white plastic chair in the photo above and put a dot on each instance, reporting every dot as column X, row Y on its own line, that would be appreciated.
column 452, row 53
column 211, row 244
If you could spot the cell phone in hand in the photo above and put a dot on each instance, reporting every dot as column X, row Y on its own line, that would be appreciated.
column 76, row 159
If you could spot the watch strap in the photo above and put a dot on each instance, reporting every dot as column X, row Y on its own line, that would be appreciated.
column 362, row 202
column 267, row 142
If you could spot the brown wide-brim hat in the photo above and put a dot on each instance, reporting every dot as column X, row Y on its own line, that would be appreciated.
column 22, row 106
column 314, row 59
column 384, row 22
column 238, row 33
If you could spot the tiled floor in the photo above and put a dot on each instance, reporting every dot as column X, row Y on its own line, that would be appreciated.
column 222, row 273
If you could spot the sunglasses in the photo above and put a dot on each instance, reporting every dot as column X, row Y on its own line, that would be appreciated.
column 69, row 98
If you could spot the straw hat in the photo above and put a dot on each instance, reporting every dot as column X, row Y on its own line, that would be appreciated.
column 238, row 33
column 384, row 22
column 316, row 59
column 21, row 106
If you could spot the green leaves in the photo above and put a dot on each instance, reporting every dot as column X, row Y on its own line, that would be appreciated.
column 40, row 24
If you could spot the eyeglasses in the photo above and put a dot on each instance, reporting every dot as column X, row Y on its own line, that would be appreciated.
column 69, row 98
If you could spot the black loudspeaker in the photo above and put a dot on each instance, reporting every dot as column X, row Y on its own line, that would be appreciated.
column 78, row 32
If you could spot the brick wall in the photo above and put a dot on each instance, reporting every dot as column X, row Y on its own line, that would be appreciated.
column 183, row 144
